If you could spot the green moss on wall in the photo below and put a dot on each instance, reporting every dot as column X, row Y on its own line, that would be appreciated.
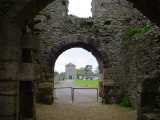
column 135, row 32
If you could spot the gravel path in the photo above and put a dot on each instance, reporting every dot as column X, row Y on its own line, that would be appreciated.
column 80, row 95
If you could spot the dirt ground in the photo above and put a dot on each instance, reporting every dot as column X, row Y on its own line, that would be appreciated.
column 84, row 112
column 84, row 107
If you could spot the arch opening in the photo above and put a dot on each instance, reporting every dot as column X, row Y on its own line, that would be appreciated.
column 102, row 62
column 78, row 57
column 82, row 79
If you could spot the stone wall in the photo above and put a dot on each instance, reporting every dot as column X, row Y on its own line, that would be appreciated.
column 102, row 35
column 140, row 63
column 104, row 32
column 134, row 59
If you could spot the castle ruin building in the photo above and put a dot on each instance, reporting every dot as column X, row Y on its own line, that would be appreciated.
column 70, row 72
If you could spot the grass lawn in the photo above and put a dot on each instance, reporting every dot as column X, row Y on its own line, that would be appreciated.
column 87, row 83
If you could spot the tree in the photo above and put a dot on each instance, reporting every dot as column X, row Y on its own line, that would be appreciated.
column 88, row 70
column 80, row 73
column 96, row 71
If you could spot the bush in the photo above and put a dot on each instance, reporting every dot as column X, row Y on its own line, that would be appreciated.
column 124, row 102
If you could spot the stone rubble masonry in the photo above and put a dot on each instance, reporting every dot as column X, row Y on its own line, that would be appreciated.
column 102, row 35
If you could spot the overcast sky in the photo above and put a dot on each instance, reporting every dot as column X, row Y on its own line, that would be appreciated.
column 78, row 56
column 80, row 8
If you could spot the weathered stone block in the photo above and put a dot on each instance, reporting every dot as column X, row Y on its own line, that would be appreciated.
column 28, row 72
column 9, row 70
column 7, row 105
column 45, row 93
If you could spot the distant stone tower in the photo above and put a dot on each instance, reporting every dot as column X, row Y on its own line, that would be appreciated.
column 70, row 71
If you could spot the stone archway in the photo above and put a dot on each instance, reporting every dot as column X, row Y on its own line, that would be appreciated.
column 97, row 51
column 100, row 56
column 97, row 54
column 48, row 62
column 64, row 81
